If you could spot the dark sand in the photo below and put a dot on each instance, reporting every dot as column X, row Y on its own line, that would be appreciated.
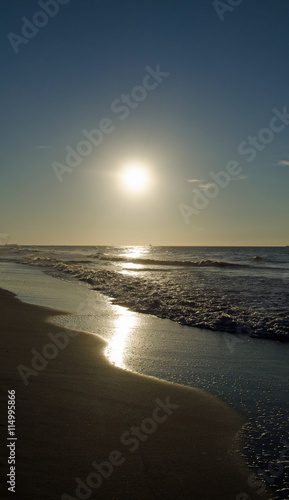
column 77, row 408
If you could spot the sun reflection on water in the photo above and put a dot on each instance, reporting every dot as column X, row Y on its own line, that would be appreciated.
column 136, row 252
column 124, row 324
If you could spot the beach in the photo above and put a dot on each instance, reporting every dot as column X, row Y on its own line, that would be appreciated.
column 79, row 409
column 144, row 251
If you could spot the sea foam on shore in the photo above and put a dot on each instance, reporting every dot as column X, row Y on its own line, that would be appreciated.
column 228, row 366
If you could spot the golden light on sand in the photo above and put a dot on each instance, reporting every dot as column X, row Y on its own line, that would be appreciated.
column 135, row 178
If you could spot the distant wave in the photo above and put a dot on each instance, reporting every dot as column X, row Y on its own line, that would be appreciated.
column 32, row 258
column 16, row 249
column 42, row 260
column 179, row 263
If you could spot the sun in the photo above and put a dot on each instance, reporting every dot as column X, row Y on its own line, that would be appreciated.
column 135, row 178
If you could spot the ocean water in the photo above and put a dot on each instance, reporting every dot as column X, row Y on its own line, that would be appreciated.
column 238, row 296
column 239, row 290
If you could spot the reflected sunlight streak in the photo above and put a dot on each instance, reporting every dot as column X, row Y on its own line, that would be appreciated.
column 124, row 323
column 137, row 251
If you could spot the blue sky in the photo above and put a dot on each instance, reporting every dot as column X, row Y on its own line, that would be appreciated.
column 225, row 78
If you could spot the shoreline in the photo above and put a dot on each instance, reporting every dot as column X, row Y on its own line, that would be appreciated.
column 79, row 409
column 238, row 333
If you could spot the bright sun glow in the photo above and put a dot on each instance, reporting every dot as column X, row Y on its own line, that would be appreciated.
column 135, row 178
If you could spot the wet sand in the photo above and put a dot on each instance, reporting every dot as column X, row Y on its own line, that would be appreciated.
column 128, row 436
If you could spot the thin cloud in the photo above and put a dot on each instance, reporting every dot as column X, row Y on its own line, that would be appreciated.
column 195, row 180
column 240, row 178
column 284, row 163
column 43, row 147
column 206, row 186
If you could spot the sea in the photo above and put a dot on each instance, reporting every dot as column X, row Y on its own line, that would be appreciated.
column 210, row 317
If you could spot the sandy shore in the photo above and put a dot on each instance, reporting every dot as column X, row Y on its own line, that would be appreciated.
column 127, row 436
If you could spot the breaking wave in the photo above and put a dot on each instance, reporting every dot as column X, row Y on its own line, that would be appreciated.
column 178, row 263
column 223, row 303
